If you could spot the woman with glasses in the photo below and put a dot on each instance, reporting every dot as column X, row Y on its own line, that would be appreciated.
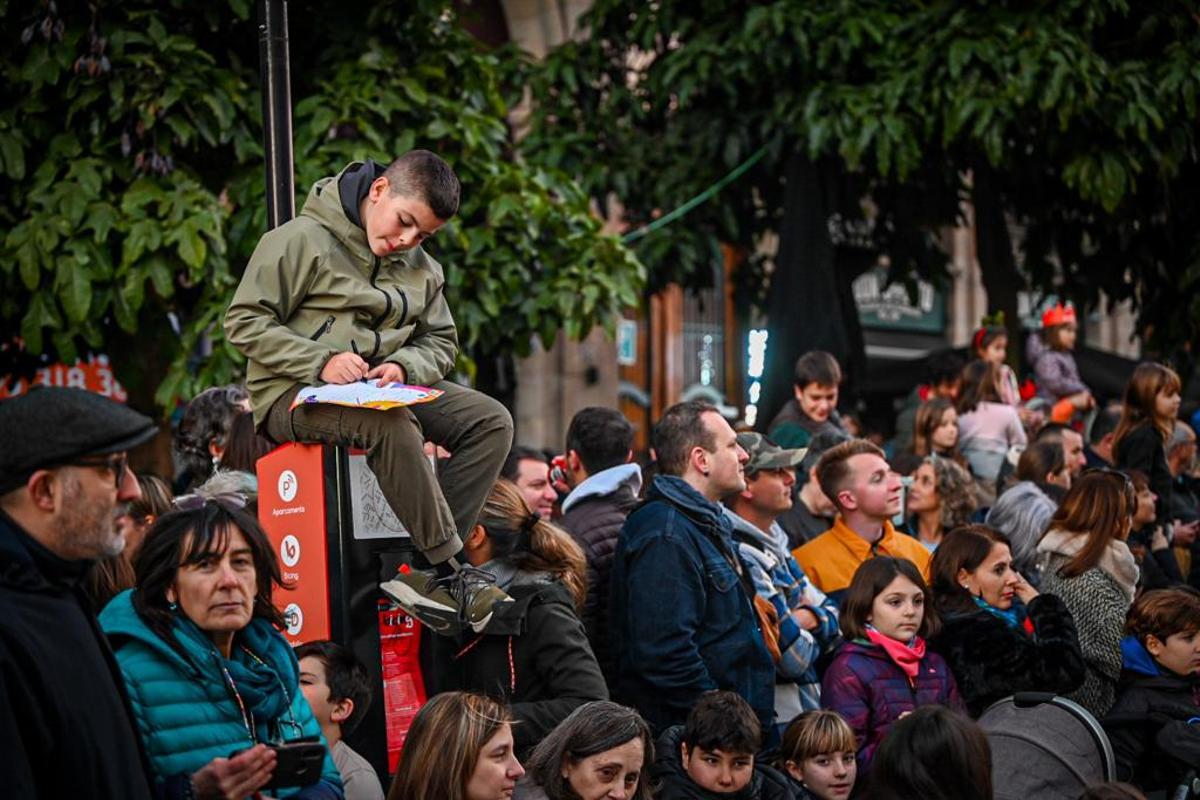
column 1086, row 562
column 207, row 671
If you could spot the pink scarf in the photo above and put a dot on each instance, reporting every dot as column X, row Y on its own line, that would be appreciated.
column 906, row 656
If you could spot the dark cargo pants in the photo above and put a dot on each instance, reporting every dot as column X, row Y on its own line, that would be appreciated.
column 475, row 428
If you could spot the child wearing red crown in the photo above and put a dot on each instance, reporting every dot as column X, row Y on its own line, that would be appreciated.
column 1057, row 374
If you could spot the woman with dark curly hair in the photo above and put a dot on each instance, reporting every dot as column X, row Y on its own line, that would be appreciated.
column 941, row 498
column 201, row 436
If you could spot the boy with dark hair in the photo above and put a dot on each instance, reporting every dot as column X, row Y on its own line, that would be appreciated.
column 336, row 685
column 1153, row 725
column 604, row 488
column 345, row 292
column 813, row 408
column 713, row 755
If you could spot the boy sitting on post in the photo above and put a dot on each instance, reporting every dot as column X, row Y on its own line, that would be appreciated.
column 336, row 685
column 712, row 757
column 342, row 293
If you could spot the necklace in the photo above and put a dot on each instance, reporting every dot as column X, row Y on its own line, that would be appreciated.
column 231, row 685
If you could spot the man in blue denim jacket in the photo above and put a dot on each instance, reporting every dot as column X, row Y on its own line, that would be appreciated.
column 682, row 615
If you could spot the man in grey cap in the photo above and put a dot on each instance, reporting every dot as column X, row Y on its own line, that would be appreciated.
column 807, row 620
column 65, row 728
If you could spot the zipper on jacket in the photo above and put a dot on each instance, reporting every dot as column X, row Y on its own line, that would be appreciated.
column 403, row 307
column 387, row 298
column 324, row 329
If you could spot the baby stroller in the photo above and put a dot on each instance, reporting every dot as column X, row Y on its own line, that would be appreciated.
column 1046, row 747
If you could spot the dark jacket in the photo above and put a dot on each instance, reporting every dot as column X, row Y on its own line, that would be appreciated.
column 594, row 522
column 673, row 783
column 1142, row 449
column 534, row 656
column 1148, row 726
column 681, row 611
column 802, row 525
column 791, row 427
column 990, row 660
column 66, row 728
column 870, row 691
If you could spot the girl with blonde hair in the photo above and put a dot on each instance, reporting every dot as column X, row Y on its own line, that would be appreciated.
column 533, row 654
column 818, row 756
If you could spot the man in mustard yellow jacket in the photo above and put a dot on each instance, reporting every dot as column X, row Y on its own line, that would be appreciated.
column 866, row 492
column 345, row 292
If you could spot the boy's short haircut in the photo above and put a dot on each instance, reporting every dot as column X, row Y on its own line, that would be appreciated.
column 833, row 470
column 722, row 721
column 601, row 436
column 424, row 176
column 1164, row 612
column 345, row 676
column 817, row 367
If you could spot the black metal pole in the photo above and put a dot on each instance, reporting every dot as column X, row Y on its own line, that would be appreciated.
column 277, row 110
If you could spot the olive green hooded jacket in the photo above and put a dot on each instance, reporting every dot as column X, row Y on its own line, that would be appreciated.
column 313, row 289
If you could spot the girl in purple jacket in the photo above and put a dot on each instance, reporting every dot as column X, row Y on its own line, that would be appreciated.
column 883, row 672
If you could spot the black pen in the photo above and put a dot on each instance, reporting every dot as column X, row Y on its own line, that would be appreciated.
column 354, row 348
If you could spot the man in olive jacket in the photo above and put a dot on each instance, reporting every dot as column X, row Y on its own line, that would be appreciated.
column 345, row 292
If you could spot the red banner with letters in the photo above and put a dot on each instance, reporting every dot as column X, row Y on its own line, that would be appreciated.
column 95, row 374
column 291, row 509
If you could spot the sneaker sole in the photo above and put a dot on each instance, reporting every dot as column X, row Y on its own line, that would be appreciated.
column 439, row 617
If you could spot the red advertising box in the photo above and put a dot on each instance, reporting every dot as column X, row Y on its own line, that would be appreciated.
column 292, row 510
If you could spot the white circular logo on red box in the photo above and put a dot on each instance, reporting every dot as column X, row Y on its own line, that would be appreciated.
column 288, row 486
column 293, row 617
column 289, row 550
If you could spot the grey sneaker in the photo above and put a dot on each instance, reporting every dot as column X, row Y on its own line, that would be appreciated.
column 468, row 598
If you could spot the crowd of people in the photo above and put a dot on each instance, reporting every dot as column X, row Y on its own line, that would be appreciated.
column 799, row 614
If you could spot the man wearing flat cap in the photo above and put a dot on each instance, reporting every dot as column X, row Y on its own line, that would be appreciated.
column 65, row 724
column 806, row 620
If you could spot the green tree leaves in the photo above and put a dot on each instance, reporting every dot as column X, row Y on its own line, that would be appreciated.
column 133, row 180
column 1085, row 110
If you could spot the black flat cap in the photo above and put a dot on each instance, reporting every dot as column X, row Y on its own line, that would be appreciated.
column 50, row 426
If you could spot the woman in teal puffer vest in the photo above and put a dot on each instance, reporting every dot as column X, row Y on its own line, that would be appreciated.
column 207, row 671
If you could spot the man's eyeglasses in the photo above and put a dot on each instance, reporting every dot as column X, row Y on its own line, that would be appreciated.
column 119, row 465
